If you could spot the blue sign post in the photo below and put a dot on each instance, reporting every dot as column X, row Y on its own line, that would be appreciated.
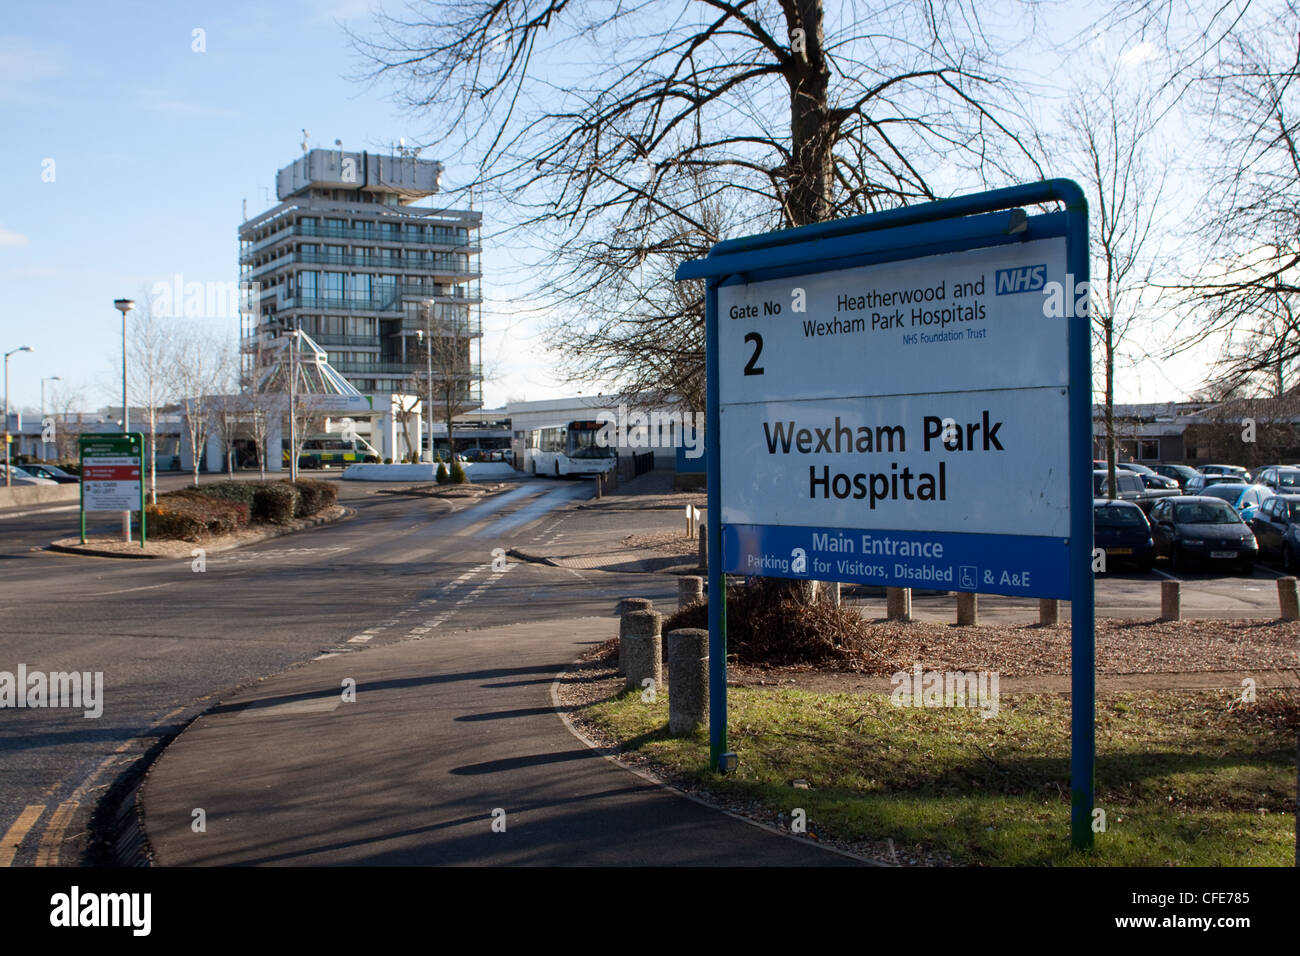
column 904, row 399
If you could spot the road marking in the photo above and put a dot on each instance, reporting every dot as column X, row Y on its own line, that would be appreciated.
column 42, row 511
column 321, row 657
column 360, row 639
column 147, row 587
column 47, row 853
column 15, row 835
column 1164, row 574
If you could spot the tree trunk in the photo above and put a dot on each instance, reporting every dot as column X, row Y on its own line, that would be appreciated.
column 811, row 138
column 811, row 126
column 1111, row 450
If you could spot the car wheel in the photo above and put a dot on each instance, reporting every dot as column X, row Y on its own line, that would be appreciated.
column 1288, row 559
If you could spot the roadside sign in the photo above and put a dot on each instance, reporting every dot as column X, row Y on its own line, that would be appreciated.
column 112, row 468
column 904, row 399
column 905, row 421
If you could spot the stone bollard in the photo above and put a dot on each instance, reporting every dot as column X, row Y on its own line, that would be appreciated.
column 626, row 607
column 1049, row 611
column 690, row 590
column 1288, row 599
column 898, row 604
column 643, row 657
column 688, row 680
column 968, row 608
column 1171, row 600
column 704, row 547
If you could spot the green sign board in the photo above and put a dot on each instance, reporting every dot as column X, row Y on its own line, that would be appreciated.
column 112, row 475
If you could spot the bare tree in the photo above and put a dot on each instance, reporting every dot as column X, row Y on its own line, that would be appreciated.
column 152, row 381
column 228, row 412
column 408, row 400
column 198, row 380
column 630, row 322
column 67, row 402
column 686, row 108
column 1247, row 294
column 1110, row 141
column 450, row 331
column 262, row 405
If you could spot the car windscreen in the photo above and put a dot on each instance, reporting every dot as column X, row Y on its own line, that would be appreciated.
column 1110, row 517
column 1205, row 512
column 1288, row 479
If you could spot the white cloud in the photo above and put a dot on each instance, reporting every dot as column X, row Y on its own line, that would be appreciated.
column 14, row 240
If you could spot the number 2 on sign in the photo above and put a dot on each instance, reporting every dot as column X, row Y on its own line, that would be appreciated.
column 750, row 367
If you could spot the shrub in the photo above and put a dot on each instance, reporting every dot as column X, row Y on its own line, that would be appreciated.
column 240, row 491
column 275, row 503
column 314, row 496
column 442, row 475
column 766, row 626
column 191, row 516
column 458, row 476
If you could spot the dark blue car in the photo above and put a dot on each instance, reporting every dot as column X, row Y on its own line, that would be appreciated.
column 1121, row 530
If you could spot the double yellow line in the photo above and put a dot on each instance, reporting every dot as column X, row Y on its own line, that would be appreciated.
column 15, row 835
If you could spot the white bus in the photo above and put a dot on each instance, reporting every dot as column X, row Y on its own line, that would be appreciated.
column 571, row 449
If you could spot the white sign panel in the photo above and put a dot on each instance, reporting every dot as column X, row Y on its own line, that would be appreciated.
column 927, row 398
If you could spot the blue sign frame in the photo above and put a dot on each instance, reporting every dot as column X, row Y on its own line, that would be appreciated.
column 951, row 225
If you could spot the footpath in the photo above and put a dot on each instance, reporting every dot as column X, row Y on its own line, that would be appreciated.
column 452, row 752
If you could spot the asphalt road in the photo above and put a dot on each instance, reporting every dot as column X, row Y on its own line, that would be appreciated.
column 168, row 640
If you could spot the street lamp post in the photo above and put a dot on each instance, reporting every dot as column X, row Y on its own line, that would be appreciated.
column 293, row 405
column 124, row 306
column 21, row 348
column 429, row 372
column 49, row 378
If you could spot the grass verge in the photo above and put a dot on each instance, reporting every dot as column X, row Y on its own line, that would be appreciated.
column 1185, row 779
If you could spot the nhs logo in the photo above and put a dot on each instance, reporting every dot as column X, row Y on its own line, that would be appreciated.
column 1021, row 279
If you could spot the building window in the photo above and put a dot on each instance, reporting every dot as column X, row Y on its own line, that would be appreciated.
column 1149, row 449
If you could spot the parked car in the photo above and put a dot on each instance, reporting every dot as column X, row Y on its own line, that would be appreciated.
column 1129, row 486
column 1244, row 498
column 1122, row 531
column 1237, row 470
column 19, row 477
column 1199, row 482
column 1179, row 473
column 1282, row 479
column 1276, row 527
column 1201, row 529
column 53, row 473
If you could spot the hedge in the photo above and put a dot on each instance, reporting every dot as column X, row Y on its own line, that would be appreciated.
column 240, row 491
column 190, row 516
column 275, row 503
column 314, row 496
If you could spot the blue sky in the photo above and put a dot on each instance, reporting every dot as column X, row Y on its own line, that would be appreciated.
column 154, row 148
